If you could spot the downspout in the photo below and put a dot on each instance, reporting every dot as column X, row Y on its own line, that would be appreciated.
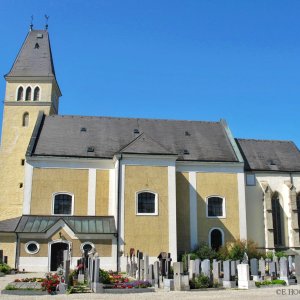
column 17, row 252
column 119, row 210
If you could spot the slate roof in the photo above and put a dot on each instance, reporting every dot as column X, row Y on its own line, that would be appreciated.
column 34, row 57
column 40, row 224
column 269, row 155
column 71, row 136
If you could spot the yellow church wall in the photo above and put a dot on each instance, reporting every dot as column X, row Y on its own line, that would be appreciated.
column 146, row 233
column 15, row 140
column 183, row 212
column 102, row 246
column 102, row 192
column 8, row 245
column 218, row 184
column 46, row 182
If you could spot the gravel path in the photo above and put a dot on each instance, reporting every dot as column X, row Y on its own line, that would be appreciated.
column 292, row 292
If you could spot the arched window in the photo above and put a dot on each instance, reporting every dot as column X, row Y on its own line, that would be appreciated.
column 36, row 94
column 216, row 238
column 63, row 204
column 146, row 203
column 20, row 93
column 277, row 215
column 215, row 207
column 25, row 120
column 28, row 94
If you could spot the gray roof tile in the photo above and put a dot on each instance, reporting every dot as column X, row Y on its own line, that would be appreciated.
column 34, row 57
column 71, row 136
column 269, row 155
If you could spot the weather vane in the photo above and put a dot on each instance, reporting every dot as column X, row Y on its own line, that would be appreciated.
column 46, row 26
column 31, row 24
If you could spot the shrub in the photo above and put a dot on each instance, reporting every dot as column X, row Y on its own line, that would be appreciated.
column 200, row 282
column 104, row 276
column 270, row 282
column 4, row 268
column 205, row 252
column 235, row 250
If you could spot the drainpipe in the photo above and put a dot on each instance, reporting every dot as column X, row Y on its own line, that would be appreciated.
column 291, row 178
column 118, row 209
column 17, row 252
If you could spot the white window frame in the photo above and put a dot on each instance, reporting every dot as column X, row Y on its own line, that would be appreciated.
column 250, row 175
column 87, row 243
column 223, row 207
column 53, row 200
column 155, row 203
column 32, row 252
column 209, row 235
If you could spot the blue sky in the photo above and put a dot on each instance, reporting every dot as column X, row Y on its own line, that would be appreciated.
column 188, row 59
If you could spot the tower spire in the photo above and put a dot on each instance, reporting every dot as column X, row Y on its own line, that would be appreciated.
column 31, row 24
column 46, row 25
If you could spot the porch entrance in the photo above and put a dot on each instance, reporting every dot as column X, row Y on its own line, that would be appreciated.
column 57, row 255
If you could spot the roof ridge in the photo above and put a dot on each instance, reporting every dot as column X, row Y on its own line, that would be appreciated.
column 133, row 118
column 265, row 140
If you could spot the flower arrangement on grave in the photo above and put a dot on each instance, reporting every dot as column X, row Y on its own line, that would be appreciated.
column 137, row 284
column 34, row 279
column 50, row 283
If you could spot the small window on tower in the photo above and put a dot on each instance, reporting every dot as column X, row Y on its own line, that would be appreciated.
column 25, row 120
column 36, row 46
column 22, row 162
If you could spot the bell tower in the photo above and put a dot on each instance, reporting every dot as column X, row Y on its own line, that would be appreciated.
column 31, row 87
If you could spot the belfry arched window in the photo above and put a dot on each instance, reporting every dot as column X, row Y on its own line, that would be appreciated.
column 25, row 120
column 28, row 94
column 63, row 204
column 20, row 93
column 277, row 215
column 36, row 94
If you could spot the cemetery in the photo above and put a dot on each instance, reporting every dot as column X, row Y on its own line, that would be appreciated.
column 163, row 275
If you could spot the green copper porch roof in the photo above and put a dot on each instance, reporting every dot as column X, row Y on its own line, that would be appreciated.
column 80, row 225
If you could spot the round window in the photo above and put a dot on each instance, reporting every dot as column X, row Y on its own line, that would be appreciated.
column 87, row 247
column 32, row 247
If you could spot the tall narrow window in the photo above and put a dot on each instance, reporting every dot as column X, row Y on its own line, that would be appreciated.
column 146, row 203
column 277, row 215
column 216, row 238
column 298, row 209
column 36, row 94
column 25, row 120
column 28, row 94
column 20, row 93
column 62, row 204
column 215, row 207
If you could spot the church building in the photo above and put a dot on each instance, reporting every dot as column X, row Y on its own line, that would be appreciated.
column 110, row 185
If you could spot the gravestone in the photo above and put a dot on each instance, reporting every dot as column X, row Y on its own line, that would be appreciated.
column 297, row 268
column 146, row 267
column 227, row 280
column 216, row 271
column 192, row 269
column 233, row 269
column 262, row 267
column 156, row 274
column 61, row 288
column 66, row 266
column 97, row 286
column 181, row 282
column 150, row 274
column 254, row 266
column 168, row 285
column 272, row 269
column 142, row 269
column 275, row 259
column 284, row 267
column 291, row 266
column 197, row 266
column 205, row 267
column 243, row 277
